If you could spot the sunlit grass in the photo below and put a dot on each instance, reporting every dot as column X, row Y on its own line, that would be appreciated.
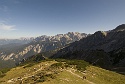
column 53, row 72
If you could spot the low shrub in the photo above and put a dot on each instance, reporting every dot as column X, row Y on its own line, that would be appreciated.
column 80, row 64
column 29, row 65
column 57, row 65
column 50, row 76
column 3, row 71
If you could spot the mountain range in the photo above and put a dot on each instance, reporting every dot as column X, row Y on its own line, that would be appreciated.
column 103, row 48
column 17, row 50
column 72, row 58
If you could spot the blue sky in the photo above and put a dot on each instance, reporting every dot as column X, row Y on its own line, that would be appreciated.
column 31, row 18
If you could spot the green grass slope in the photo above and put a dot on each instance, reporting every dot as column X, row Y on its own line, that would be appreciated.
column 61, row 72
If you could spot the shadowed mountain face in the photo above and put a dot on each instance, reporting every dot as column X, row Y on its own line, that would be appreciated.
column 120, row 28
column 102, row 48
column 40, row 44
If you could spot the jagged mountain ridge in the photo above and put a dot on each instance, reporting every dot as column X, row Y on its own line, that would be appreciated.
column 101, row 48
column 70, row 36
column 40, row 44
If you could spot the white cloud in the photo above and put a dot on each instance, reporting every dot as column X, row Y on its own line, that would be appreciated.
column 6, row 27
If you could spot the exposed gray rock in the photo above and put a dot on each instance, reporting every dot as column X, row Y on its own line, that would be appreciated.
column 106, row 41
column 38, row 45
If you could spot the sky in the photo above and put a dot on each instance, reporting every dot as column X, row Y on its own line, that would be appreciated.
column 32, row 18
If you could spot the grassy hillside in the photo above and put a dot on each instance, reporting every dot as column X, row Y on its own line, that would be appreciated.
column 61, row 72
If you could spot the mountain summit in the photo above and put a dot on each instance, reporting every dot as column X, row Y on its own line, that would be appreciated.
column 120, row 28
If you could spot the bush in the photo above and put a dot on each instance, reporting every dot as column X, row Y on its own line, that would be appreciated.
column 50, row 76
column 60, row 60
column 3, row 71
column 2, row 75
column 80, row 64
column 45, row 77
column 41, row 80
column 57, row 65
column 29, row 65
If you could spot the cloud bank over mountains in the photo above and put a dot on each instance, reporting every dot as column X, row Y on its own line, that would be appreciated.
column 7, row 27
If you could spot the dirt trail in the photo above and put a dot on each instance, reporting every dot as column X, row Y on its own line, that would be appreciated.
column 35, row 71
column 28, row 75
column 80, row 76
column 24, row 77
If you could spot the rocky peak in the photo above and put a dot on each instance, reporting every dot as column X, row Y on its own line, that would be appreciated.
column 40, row 44
column 100, row 34
column 120, row 28
column 74, row 36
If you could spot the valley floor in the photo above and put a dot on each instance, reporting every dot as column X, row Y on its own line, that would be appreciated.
column 44, row 73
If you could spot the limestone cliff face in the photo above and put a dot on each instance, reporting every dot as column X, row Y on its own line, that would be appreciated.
column 38, row 45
